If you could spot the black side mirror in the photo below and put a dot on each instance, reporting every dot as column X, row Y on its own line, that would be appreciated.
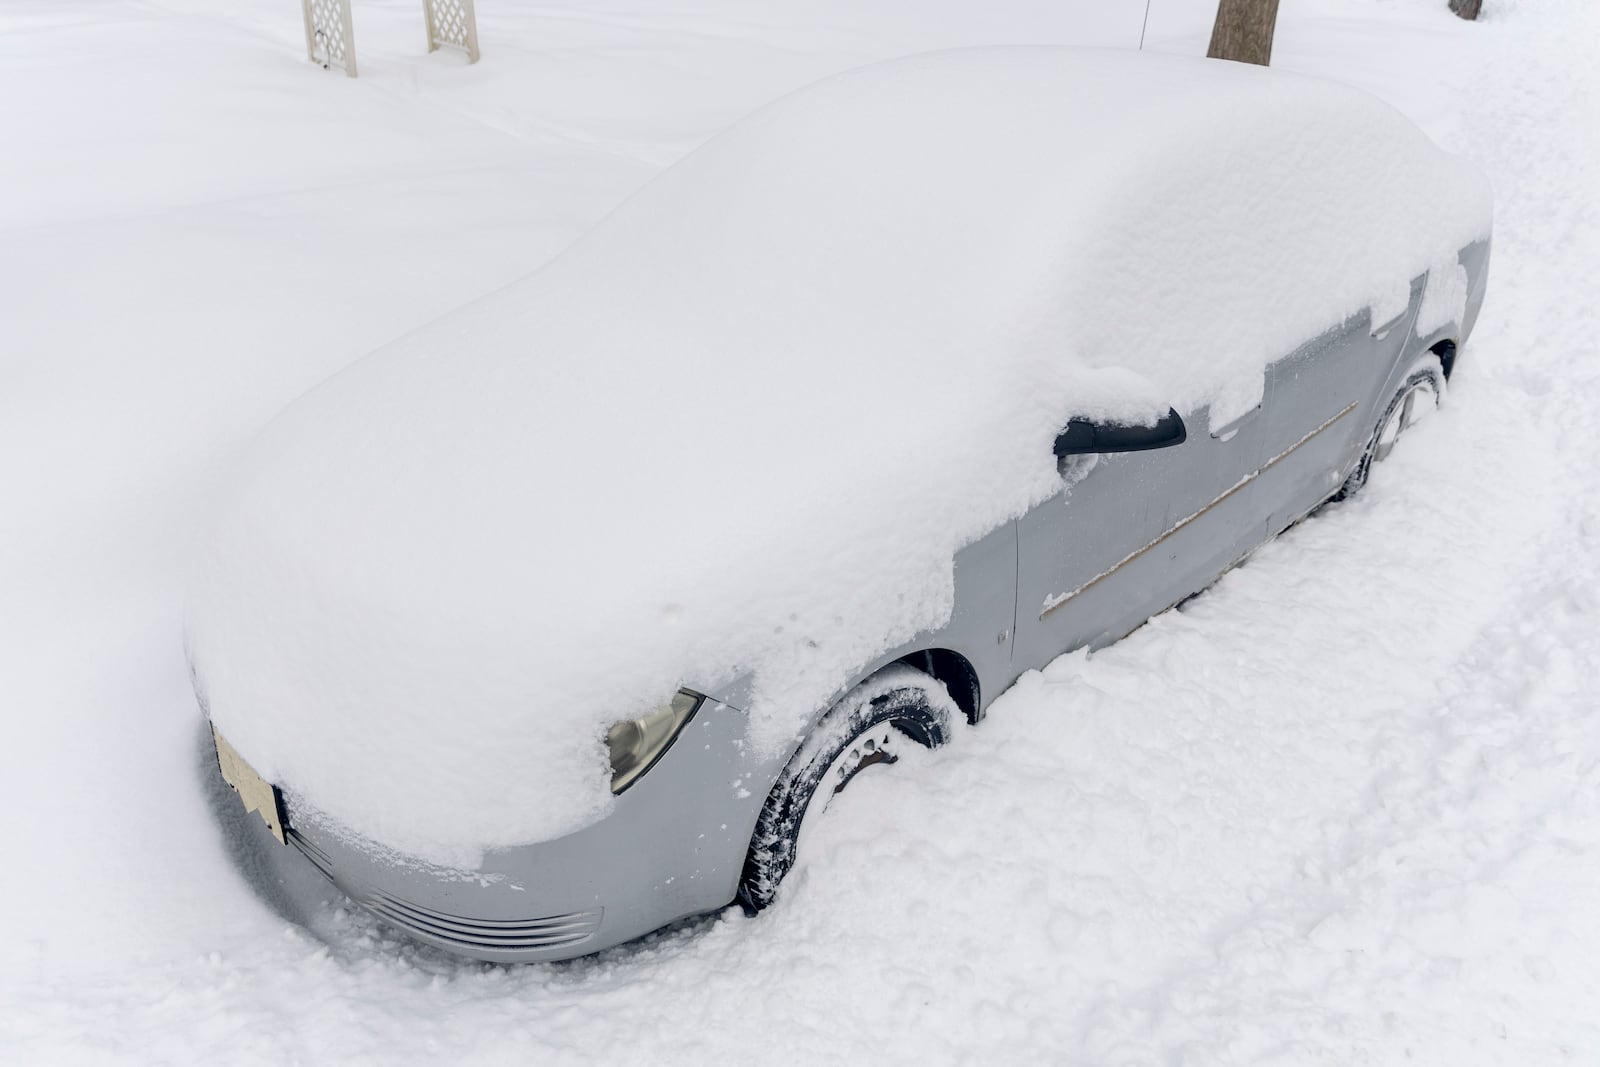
column 1082, row 437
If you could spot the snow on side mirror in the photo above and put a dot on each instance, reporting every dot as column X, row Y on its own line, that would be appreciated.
column 1083, row 437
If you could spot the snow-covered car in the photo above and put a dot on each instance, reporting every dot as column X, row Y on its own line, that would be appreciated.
column 551, row 622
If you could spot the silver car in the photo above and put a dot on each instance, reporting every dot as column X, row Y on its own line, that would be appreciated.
column 1144, row 517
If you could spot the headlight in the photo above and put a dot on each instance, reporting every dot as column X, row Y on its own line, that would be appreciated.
column 636, row 744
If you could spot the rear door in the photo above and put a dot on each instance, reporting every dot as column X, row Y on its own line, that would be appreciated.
column 1320, row 401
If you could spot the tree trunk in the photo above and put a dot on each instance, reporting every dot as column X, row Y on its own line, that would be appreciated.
column 1467, row 9
column 1243, row 31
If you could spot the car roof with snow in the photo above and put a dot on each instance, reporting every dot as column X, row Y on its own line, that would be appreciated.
column 742, row 426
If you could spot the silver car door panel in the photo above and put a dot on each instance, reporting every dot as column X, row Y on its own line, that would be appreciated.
column 1319, row 406
column 1137, row 533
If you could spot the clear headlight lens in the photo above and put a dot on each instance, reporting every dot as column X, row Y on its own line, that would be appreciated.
column 636, row 744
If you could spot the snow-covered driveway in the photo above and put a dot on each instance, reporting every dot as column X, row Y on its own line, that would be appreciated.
column 1345, row 807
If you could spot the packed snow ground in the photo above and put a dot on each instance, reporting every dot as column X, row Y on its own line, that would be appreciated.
column 1344, row 807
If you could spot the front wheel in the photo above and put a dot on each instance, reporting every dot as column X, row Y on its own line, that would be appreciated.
column 868, row 728
column 1417, row 397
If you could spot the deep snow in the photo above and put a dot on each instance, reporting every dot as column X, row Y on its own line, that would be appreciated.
column 1342, row 808
column 742, row 426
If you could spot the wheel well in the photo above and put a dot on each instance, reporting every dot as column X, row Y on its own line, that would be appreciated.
column 1446, row 351
column 953, row 669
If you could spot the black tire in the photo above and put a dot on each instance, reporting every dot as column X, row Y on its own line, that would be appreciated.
column 897, row 702
column 1425, row 383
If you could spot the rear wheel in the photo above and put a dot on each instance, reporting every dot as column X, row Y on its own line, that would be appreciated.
column 1416, row 398
column 870, row 727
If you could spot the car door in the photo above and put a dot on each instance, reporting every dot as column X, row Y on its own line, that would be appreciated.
column 1130, row 534
column 1319, row 410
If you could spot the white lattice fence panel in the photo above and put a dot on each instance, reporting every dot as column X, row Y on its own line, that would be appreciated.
column 330, row 37
column 452, row 24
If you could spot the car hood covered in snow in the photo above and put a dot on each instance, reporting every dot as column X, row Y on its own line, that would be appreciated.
column 741, row 427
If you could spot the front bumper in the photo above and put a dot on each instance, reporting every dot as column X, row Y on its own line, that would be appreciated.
column 674, row 846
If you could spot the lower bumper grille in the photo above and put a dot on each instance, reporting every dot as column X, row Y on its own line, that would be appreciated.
column 319, row 859
column 555, row 931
